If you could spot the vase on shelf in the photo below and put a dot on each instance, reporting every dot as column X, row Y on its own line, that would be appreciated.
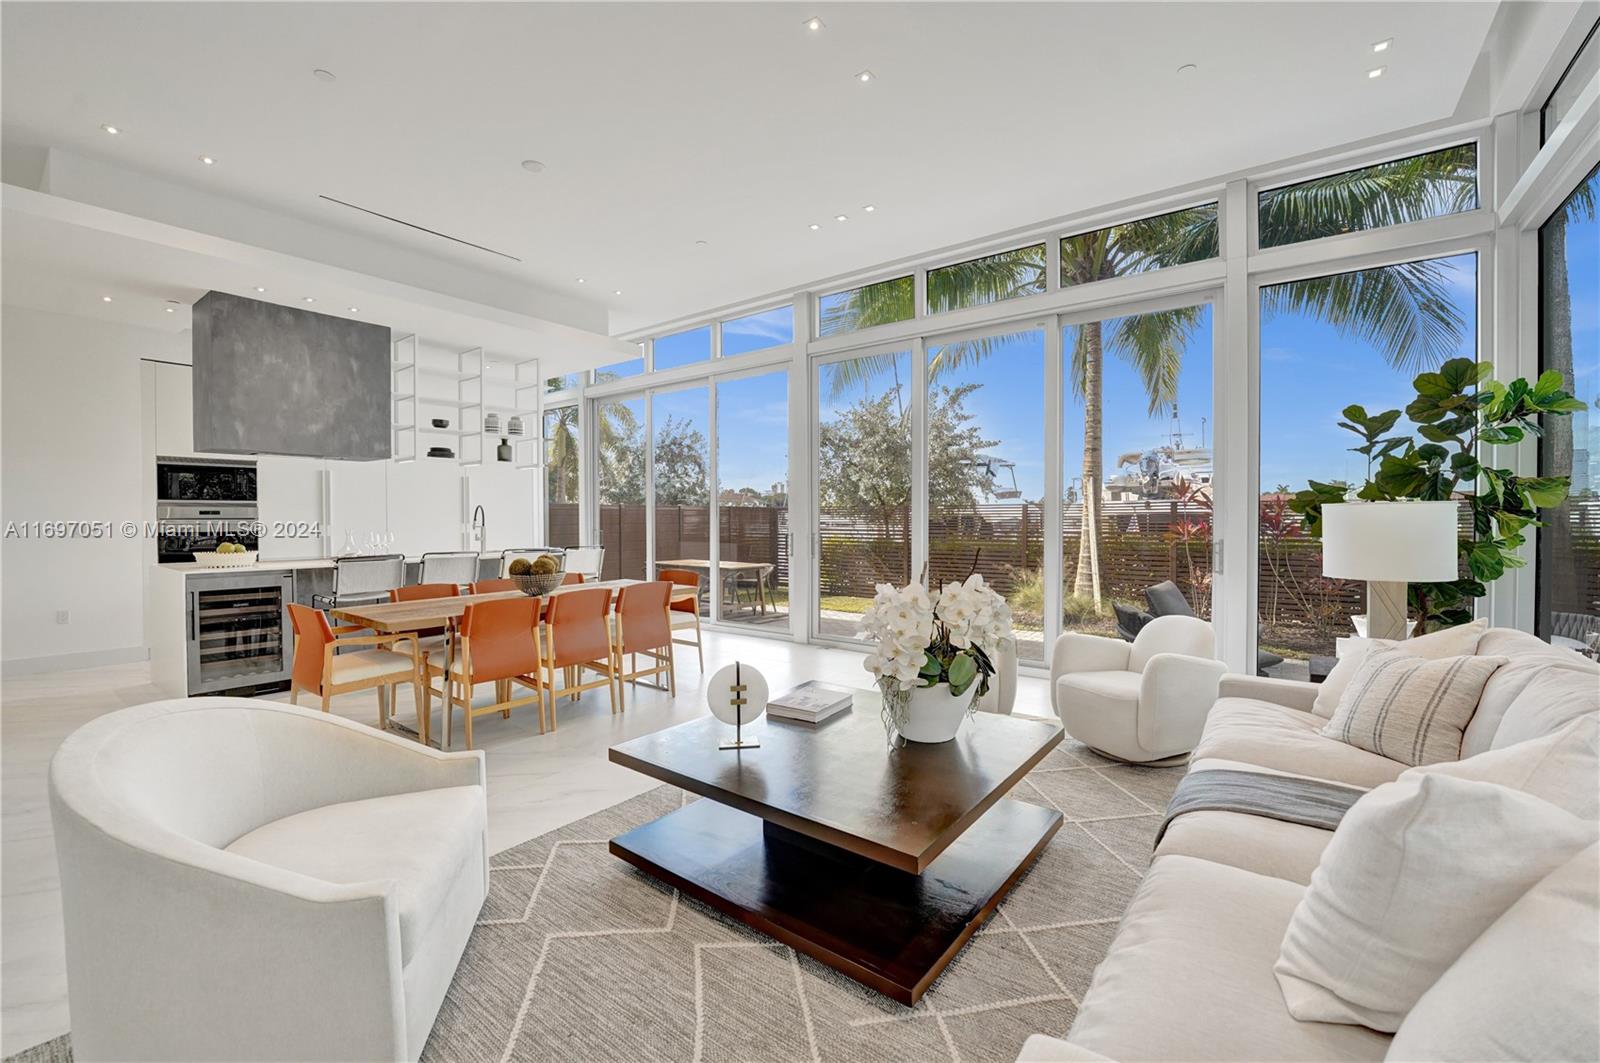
column 503, row 451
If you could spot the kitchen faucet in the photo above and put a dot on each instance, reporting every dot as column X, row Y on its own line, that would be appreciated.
column 480, row 526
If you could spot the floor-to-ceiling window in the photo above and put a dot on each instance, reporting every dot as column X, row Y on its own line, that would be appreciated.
column 1136, row 463
column 753, row 498
column 619, row 440
column 1327, row 343
column 1569, row 344
column 863, row 488
column 680, row 460
column 564, row 525
column 985, row 418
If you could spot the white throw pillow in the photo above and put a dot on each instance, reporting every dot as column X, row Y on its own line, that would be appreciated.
column 1562, row 768
column 1451, row 642
column 1416, row 871
column 1526, row 989
column 1409, row 708
column 1547, row 704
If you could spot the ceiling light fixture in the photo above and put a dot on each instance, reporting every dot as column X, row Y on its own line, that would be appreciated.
column 617, row 292
column 1187, row 68
column 355, row 310
column 1377, row 72
column 324, row 75
column 208, row 160
column 309, row 299
column 1383, row 45
column 113, row 130
column 172, row 310
column 105, row 298
column 702, row 243
column 815, row 226
column 580, row 280
column 259, row 288
column 864, row 77
column 841, row 217
column 533, row 165
column 869, row 208
column 813, row 24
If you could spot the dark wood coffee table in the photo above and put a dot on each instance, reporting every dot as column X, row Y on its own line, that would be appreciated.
column 878, row 863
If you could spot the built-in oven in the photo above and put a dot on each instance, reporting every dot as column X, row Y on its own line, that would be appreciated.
column 203, row 502
column 239, row 630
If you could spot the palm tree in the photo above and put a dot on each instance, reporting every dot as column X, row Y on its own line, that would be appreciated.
column 1404, row 309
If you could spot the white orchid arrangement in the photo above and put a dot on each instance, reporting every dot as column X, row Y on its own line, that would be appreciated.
column 924, row 641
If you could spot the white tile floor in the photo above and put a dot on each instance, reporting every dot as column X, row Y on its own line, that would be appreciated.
column 536, row 783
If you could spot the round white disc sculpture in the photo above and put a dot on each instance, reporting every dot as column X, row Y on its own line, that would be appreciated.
column 722, row 698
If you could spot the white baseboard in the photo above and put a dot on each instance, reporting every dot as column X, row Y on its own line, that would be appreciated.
column 72, row 662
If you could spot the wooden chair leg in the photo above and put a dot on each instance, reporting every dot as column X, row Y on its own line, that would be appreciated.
column 466, row 690
column 699, row 643
column 327, row 700
column 672, row 672
column 419, row 694
column 294, row 694
column 383, row 706
column 611, row 687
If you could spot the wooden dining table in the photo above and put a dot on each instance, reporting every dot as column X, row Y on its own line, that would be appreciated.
column 731, row 572
column 395, row 618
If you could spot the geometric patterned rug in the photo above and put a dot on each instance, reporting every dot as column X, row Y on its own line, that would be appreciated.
column 579, row 957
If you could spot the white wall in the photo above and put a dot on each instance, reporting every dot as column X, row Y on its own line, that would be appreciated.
column 72, row 445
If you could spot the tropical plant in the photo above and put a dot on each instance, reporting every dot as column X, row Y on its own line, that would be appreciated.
column 1460, row 411
column 680, row 469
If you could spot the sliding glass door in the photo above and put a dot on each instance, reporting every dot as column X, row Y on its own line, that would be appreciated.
column 680, row 457
column 620, row 445
column 752, row 445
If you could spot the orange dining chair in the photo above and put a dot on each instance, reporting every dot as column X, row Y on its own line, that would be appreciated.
column 324, row 672
column 686, row 613
column 577, row 636
column 430, row 638
column 643, row 625
column 499, row 644
column 489, row 586
column 571, row 579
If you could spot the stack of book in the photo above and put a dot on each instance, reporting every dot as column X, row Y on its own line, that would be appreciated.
column 811, row 702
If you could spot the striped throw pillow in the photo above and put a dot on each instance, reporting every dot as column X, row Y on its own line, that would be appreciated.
column 1409, row 708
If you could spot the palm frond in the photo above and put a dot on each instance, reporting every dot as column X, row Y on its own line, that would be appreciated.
column 1391, row 193
column 1153, row 344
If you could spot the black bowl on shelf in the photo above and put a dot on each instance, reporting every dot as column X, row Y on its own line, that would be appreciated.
column 440, row 422
column 441, row 452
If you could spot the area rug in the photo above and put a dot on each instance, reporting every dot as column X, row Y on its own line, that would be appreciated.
column 580, row 957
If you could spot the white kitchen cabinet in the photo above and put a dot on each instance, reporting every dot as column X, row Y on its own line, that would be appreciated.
column 425, row 505
column 290, row 494
column 358, row 502
column 506, row 495
column 174, row 410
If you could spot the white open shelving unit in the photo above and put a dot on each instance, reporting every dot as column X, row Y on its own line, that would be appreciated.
column 469, row 391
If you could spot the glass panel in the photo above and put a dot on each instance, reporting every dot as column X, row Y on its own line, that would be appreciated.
column 1373, row 197
column 863, row 485
column 239, row 632
column 619, row 429
column 1569, row 344
column 682, row 454
column 1327, row 343
column 561, row 472
column 682, row 348
column 1188, row 235
column 875, row 304
column 632, row 367
column 1136, row 465
column 986, row 472
column 562, row 383
column 1585, row 67
column 758, row 331
column 987, row 280
column 753, row 498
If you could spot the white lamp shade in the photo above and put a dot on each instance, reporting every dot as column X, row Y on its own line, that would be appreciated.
column 1389, row 542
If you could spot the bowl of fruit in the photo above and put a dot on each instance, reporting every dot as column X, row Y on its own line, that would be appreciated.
column 538, row 576
column 226, row 555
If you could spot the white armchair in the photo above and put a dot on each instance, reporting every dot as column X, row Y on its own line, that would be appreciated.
column 1142, row 701
column 247, row 880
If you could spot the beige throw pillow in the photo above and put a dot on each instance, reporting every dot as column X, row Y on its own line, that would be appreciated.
column 1455, row 641
column 1562, row 768
column 1416, row 871
column 1411, row 709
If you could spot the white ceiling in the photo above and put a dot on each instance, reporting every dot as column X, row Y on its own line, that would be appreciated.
column 664, row 124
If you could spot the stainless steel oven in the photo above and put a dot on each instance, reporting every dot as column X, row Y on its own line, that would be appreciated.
column 202, row 502
column 239, row 630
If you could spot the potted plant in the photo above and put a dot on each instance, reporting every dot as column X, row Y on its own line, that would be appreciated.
column 932, row 655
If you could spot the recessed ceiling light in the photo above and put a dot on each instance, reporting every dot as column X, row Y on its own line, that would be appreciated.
column 172, row 310
column 864, row 77
column 208, row 160
column 113, row 130
column 355, row 310
column 702, row 243
column 1383, row 45
column 580, row 280
column 813, row 23
column 1377, row 72
column 617, row 292
column 105, row 298
column 324, row 75
column 869, row 208
column 815, row 226
column 259, row 288
column 1187, row 68
column 533, row 165
column 309, row 299
column 841, row 217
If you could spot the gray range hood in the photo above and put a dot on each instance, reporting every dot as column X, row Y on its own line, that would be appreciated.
column 272, row 379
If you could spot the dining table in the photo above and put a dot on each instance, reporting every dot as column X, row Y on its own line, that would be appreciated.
column 730, row 572
column 423, row 614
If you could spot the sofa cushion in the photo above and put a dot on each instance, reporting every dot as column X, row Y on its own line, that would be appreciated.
column 1252, row 843
column 1562, row 768
column 1287, row 740
column 420, row 841
column 1448, row 642
column 1417, row 870
column 1189, row 975
column 1527, row 988
column 1411, row 709
column 1530, row 658
column 1104, row 691
column 1547, row 704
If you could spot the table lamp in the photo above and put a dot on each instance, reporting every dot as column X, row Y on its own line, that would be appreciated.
column 1389, row 544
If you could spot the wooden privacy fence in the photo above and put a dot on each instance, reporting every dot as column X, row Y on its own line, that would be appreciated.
column 748, row 533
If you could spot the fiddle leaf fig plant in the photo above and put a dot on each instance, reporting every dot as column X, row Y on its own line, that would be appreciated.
column 1461, row 412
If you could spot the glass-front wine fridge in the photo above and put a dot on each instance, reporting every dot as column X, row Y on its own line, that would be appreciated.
column 239, row 631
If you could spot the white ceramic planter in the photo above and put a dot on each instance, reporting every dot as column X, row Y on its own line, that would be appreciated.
column 935, row 716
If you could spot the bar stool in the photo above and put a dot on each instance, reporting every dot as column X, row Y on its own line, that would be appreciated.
column 643, row 625
column 324, row 672
column 529, row 552
column 589, row 560
column 499, row 644
column 449, row 566
column 363, row 580
column 686, row 614
column 577, row 635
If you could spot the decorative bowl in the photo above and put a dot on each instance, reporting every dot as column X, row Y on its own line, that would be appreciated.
column 441, row 422
column 535, row 586
column 212, row 559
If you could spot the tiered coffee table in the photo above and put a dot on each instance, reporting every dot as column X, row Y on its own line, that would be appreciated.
column 878, row 863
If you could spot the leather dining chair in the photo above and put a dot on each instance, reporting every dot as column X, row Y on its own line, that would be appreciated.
column 571, row 579
column 489, row 586
column 322, row 670
column 577, row 636
column 686, row 614
column 499, row 644
column 643, row 626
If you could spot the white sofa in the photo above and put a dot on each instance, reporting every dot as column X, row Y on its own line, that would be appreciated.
column 1189, row 974
column 247, row 880
column 1143, row 701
